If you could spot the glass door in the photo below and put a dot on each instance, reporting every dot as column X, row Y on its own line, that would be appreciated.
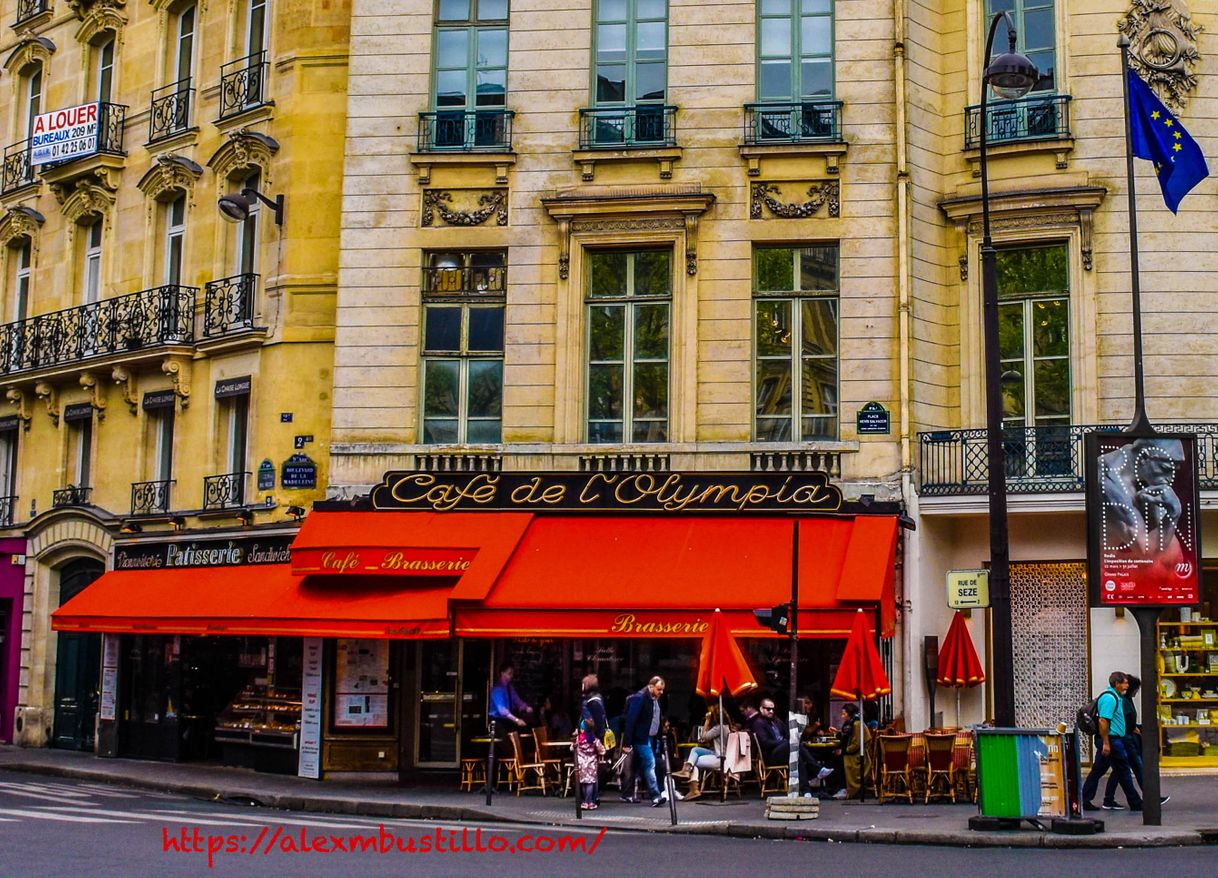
column 437, row 723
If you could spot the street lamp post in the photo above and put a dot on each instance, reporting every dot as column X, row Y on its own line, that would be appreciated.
column 1011, row 75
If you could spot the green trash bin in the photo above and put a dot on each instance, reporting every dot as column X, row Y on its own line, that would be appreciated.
column 1021, row 774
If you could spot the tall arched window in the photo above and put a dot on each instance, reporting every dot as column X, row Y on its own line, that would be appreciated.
column 103, row 55
column 247, row 231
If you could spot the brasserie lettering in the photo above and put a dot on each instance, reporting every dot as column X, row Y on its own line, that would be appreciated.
column 628, row 623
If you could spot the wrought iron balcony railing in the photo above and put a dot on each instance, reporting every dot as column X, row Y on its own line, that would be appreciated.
column 170, row 112
column 642, row 126
column 72, row 495
column 229, row 305
column 159, row 316
column 27, row 9
column 17, row 169
column 8, row 510
column 1038, row 117
column 1039, row 460
column 798, row 122
column 461, row 131
column 150, row 498
column 225, row 491
column 243, row 84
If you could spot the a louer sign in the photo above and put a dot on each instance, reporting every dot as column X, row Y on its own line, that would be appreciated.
column 64, row 134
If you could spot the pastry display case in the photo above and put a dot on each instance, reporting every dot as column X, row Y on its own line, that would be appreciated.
column 1188, row 691
column 261, row 716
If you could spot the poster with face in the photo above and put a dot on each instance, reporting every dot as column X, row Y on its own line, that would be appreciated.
column 1143, row 527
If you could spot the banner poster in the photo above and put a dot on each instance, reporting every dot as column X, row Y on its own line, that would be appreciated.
column 310, row 712
column 1143, row 522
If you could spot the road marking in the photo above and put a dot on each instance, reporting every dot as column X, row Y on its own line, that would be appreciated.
column 143, row 815
column 64, row 818
column 277, row 817
column 45, row 796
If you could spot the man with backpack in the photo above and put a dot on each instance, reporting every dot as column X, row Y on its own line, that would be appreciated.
column 1110, row 750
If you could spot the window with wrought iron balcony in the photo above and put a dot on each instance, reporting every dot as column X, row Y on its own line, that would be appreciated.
column 30, row 9
column 171, row 109
column 243, row 84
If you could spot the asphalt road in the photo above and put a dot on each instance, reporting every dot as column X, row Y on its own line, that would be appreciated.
column 51, row 826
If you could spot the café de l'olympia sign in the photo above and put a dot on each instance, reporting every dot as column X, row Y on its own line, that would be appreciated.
column 64, row 134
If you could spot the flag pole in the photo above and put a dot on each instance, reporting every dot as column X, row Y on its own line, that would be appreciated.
column 1140, row 423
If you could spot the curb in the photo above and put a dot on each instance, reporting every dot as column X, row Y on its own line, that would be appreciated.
column 803, row 832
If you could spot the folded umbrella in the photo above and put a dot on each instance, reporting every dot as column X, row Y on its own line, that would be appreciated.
column 959, row 665
column 861, row 675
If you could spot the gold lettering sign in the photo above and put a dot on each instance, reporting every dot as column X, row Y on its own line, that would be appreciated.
column 629, row 623
column 416, row 562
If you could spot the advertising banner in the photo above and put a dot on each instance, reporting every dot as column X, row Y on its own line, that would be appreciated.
column 1143, row 525
column 64, row 134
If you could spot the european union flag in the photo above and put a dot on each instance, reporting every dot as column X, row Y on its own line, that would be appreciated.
column 1159, row 137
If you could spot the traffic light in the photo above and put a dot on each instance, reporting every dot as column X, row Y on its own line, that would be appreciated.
column 775, row 618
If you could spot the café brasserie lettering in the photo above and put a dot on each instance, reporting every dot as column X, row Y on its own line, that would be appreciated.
column 628, row 623
column 598, row 492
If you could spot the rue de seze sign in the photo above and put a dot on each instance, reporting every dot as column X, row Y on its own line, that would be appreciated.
column 616, row 492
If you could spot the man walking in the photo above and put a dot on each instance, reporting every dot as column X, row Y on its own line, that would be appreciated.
column 641, row 735
column 1110, row 749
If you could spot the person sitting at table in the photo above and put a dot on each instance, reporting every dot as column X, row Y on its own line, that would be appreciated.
column 708, row 754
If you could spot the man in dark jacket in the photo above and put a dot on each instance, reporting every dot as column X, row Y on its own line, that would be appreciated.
column 641, row 735
column 775, row 747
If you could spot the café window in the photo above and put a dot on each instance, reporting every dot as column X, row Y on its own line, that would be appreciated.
column 1036, row 35
column 631, row 51
column 795, row 333
column 628, row 313
column 463, row 314
column 1034, row 335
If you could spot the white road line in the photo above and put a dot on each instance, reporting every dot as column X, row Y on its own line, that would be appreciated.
column 48, row 797
column 150, row 816
column 274, row 818
column 44, row 787
column 106, row 791
column 65, row 818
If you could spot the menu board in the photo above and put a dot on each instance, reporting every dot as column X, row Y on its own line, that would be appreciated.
column 310, row 709
column 109, row 678
column 361, row 685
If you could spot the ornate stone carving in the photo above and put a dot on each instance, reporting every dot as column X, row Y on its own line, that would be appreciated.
column 1163, row 47
column 244, row 150
column 438, row 201
column 629, row 225
column 85, row 196
column 169, row 173
column 98, row 17
column 819, row 194
column 31, row 50
column 97, row 393
column 48, row 394
column 963, row 266
column 22, row 403
column 20, row 222
column 564, row 257
column 178, row 371
column 126, row 383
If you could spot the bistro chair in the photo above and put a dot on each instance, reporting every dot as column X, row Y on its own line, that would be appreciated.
column 526, row 771
column 896, row 779
column 553, row 764
column 473, row 773
column 940, row 766
column 917, row 762
column 770, row 778
column 964, row 766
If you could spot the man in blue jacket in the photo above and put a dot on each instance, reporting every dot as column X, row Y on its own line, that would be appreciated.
column 1110, row 749
column 641, row 736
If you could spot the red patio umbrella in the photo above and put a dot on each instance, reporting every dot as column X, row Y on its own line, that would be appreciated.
column 861, row 675
column 959, row 666
column 722, row 668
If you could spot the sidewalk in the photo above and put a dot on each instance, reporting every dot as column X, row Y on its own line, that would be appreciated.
column 1191, row 818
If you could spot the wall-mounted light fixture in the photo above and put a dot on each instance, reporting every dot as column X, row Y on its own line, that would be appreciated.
column 235, row 207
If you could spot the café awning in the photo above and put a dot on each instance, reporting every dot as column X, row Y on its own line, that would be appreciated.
column 266, row 599
column 643, row 576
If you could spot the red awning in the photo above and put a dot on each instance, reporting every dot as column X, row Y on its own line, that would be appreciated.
column 598, row 576
column 471, row 547
column 257, row 600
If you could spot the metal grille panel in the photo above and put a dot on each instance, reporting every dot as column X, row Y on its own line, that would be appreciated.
column 1049, row 620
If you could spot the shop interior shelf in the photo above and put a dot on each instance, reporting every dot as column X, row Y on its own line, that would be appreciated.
column 1188, row 700
column 1208, row 623
column 1193, row 674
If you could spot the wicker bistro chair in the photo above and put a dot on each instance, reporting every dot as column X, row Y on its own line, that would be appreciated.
column 473, row 773
column 770, row 778
column 940, row 766
column 917, row 762
column 896, row 777
column 553, row 764
column 528, row 775
column 964, row 767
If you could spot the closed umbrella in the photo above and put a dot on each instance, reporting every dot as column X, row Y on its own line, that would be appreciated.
column 860, row 676
column 722, row 668
column 959, row 666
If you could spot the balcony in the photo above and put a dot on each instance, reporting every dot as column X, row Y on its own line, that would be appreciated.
column 27, row 9
column 8, row 511
column 229, row 305
column 644, row 126
column 18, row 172
column 461, row 131
column 800, row 122
column 1035, row 118
column 72, row 495
column 243, row 85
column 151, row 318
column 1039, row 460
column 150, row 498
column 170, row 111
column 225, row 491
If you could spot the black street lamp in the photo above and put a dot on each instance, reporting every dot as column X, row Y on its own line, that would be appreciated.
column 1010, row 75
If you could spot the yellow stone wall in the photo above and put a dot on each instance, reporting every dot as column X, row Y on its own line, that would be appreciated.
column 710, row 78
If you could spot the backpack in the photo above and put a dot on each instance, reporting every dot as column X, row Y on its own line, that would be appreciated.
column 1088, row 717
